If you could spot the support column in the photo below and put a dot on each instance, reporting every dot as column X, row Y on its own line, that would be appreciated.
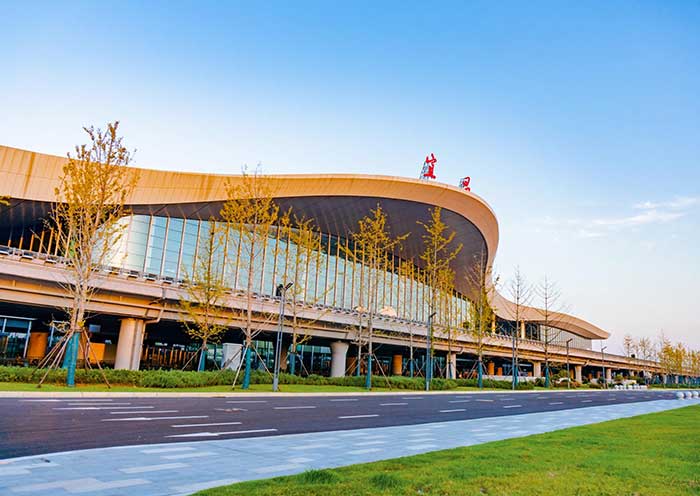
column 339, row 351
column 129, row 344
column 578, row 373
column 537, row 369
column 522, row 329
column 397, row 365
column 491, row 368
column 608, row 375
column 451, row 365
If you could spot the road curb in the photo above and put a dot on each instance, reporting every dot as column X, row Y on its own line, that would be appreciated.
column 167, row 394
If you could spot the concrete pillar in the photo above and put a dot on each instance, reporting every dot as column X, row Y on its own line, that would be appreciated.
column 339, row 351
column 537, row 369
column 232, row 355
column 608, row 375
column 522, row 329
column 129, row 344
column 578, row 373
column 397, row 365
column 499, row 371
column 451, row 365
column 490, row 368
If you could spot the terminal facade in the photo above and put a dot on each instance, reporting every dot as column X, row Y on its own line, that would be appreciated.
column 136, row 321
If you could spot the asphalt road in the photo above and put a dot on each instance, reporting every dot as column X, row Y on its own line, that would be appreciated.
column 42, row 425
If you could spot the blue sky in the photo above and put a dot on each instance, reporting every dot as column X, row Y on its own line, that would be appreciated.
column 578, row 122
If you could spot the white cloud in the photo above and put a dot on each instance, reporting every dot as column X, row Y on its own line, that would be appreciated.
column 680, row 202
column 653, row 213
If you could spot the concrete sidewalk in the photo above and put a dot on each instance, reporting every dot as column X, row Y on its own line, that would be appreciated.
column 183, row 468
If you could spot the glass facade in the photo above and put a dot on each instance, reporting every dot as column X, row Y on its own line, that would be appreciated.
column 167, row 247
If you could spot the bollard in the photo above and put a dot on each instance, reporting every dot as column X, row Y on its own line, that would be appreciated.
column 680, row 395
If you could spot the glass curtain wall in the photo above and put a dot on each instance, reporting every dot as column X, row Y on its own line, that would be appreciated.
column 167, row 247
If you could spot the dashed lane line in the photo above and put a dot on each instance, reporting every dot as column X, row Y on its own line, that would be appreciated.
column 453, row 410
column 205, row 425
column 294, row 407
column 149, row 412
column 145, row 419
column 512, row 406
column 393, row 404
column 556, row 403
column 358, row 416
column 345, row 399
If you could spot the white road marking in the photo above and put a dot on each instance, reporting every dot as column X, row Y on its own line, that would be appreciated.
column 586, row 401
column 454, row 410
column 392, row 404
column 107, row 403
column 512, row 406
column 346, row 399
column 149, row 412
column 153, row 451
column 363, row 451
column 226, row 433
column 413, row 398
column 557, row 403
column 357, row 416
column 181, row 456
column 488, row 401
column 103, row 407
column 369, row 443
column 206, row 425
column 293, row 407
column 421, row 440
column 143, row 419
column 300, row 459
column 152, row 468
column 247, row 401
column 459, row 401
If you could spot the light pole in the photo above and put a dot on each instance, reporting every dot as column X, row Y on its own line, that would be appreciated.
column 605, row 380
column 568, row 373
column 514, row 361
column 428, row 357
column 281, row 292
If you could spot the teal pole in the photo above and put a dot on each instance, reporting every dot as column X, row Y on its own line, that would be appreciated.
column 480, row 378
column 368, row 377
column 246, row 375
column 293, row 361
column 72, row 359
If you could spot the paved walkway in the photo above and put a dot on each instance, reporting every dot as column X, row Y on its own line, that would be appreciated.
column 183, row 468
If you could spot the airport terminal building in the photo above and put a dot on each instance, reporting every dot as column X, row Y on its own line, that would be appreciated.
column 136, row 321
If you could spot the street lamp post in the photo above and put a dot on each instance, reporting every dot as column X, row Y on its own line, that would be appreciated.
column 568, row 372
column 281, row 292
column 428, row 357
column 605, row 380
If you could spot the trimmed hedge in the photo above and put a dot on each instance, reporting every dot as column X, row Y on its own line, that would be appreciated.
column 190, row 379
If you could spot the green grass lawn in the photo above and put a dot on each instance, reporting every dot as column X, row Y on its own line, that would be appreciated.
column 656, row 455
